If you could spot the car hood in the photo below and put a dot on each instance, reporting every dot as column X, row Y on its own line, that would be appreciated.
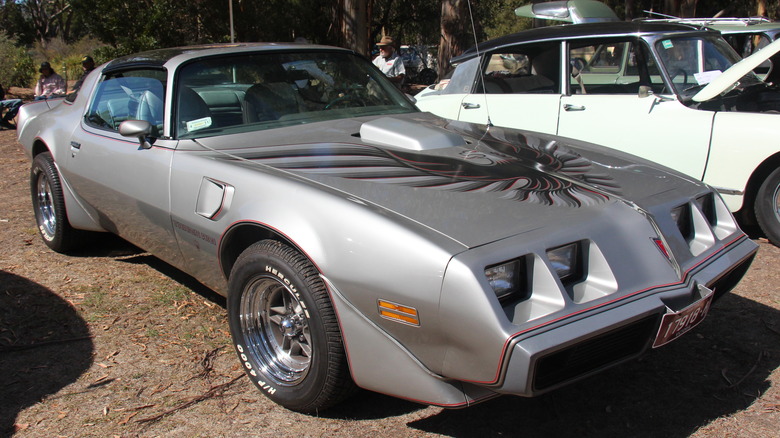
column 730, row 77
column 473, row 186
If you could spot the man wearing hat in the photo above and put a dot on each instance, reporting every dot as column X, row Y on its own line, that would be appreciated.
column 87, row 65
column 50, row 84
column 389, row 62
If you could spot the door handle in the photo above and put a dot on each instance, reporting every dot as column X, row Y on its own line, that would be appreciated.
column 570, row 107
column 469, row 105
column 75, row 145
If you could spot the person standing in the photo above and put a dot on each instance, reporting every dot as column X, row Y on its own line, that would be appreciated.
column 50, row 84
column 13, row 108
column 389, row 62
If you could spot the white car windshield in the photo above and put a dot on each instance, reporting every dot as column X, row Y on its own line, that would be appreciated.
column 257, row 91
column 693, row 62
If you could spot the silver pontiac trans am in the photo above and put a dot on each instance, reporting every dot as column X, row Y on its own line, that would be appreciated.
column 363, row 243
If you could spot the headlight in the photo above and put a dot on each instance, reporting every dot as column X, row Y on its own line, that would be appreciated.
column 682, row 217
column 566, row 261
column 504, row 279
column 707, row 206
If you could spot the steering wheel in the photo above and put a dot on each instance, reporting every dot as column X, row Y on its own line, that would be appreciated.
column 345, row 101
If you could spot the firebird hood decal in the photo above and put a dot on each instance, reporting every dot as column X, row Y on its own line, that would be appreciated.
column 545, row 173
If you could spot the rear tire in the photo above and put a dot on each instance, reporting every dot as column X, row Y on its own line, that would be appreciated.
column 285, row 330
column 49, row 205
column 767, row 207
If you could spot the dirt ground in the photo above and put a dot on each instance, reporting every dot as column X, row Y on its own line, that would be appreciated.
column 114, row 342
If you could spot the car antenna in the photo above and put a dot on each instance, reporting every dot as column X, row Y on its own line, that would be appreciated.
column 481, row 71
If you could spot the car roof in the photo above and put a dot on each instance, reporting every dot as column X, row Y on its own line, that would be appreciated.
column 727, row 25
column 568, row 31
column 178, row 55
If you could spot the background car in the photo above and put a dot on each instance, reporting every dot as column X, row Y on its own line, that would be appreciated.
column 745, row 35
column 361, row 242
column 637, row 87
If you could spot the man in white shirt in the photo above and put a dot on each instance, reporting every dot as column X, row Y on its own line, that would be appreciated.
column 389, row 62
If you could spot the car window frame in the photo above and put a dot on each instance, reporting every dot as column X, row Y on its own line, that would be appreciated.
column 542, row 47
column 108, row 74
column 642, row 59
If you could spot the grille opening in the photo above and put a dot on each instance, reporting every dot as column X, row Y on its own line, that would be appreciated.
column 595, row 353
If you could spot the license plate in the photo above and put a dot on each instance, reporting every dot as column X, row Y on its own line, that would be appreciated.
column 675, row 324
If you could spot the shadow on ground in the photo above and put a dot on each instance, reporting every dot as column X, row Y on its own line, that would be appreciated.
column 718, row 369
column 44, row 346
column 110, row 245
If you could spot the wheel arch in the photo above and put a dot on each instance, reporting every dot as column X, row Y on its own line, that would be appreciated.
column 39, row 147
column 762, row 171
column 241, row 236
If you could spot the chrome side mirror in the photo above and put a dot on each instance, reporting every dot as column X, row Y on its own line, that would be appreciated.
column 645, row 91
column 140, row 129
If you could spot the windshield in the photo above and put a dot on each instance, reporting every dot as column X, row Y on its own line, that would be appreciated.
column 251, row 92
column 693, row 62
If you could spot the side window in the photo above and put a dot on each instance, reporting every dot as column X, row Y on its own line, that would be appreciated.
column 463, row 78
column 615, row 67
column 129, row 95
column 531, row 70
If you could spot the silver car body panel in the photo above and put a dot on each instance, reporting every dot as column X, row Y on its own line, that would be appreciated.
column 414, row 219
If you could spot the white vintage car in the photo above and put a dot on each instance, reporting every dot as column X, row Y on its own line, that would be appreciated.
column 667, row 92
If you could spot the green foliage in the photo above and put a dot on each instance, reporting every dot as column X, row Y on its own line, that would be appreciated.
column 56, row 29
column 64, row 57
column 125, row 47
column 503, row 21
column 17, row 68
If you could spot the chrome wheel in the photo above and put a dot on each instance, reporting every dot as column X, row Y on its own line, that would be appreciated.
column 47, row 212
column 285, row 329
column 276, row 329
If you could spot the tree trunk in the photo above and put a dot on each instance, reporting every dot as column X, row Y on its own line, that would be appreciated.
column 352, row 22
column 629, row 10
column 761, row 8
column 455, row 32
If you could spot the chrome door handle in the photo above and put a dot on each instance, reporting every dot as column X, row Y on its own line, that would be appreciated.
column 569, row 107
column 469, row 105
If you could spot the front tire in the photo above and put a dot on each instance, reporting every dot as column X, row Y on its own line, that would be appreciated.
column 285, row 330
column 767, row 207
column 49, row 205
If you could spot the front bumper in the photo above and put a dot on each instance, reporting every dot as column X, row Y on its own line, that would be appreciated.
column 574, row 347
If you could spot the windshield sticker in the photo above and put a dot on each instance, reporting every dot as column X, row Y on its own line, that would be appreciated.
column 194, row 125
column 667, row 44
column 706, row 77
